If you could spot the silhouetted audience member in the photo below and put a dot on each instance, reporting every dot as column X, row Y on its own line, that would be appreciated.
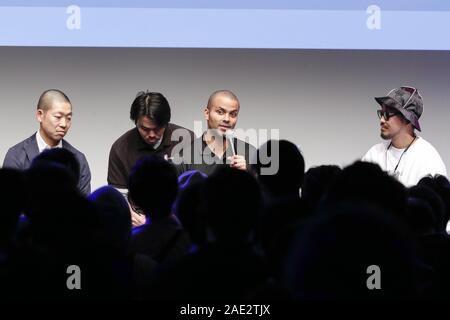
column 62, row 225
column 188, row 207
column 233, row 203
column 232, row 235
column 332, row 256
column 153, row 187
column 441, row 186
column 282, row 217
column 316, row 183
column 229, row 266
column 366, row 183
column 280, row 220
column 432, row 219
column 280, row 168
column 420, row 217
column 427, row 217
column 60, row 156
column 124, row 274
column 12, row 196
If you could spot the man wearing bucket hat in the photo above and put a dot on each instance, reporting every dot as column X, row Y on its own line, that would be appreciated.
column 403, row 154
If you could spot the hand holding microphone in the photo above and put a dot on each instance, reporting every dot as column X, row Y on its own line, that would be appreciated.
column 236, row 161
column 229, row 134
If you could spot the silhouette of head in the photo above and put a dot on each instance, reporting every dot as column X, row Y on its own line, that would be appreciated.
column 153, row 186
column 285, row 156
column 441, row 186
column 114, row 219
column 432, row 217
column 364, row 182
column 189, row 205
column 232, row 202
column 316, row 183
column 60, row 156
column 60, row 217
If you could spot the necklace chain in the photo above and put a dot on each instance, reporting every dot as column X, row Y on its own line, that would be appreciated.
column 401, row 156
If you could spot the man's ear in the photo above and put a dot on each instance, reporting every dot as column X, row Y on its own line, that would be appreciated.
column 206, row 112
column 39, row 115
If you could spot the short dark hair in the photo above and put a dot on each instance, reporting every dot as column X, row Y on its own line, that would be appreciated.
column 153, row 105
column 222, row 92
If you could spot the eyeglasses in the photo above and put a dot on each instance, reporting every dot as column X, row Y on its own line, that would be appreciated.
column 386, row 114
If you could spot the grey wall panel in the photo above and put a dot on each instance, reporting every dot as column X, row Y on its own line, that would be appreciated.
column 320, row 99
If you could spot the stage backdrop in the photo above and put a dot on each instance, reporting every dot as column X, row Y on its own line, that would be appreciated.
column 322, row 100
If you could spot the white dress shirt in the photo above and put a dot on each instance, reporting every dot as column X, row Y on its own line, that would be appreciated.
column 42, row 145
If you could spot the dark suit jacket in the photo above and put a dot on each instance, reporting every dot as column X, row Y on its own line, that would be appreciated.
column 22, row 154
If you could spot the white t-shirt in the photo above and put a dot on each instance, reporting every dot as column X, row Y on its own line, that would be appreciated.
column 420, row 160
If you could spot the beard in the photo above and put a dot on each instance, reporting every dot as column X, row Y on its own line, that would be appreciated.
column 385, row 136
